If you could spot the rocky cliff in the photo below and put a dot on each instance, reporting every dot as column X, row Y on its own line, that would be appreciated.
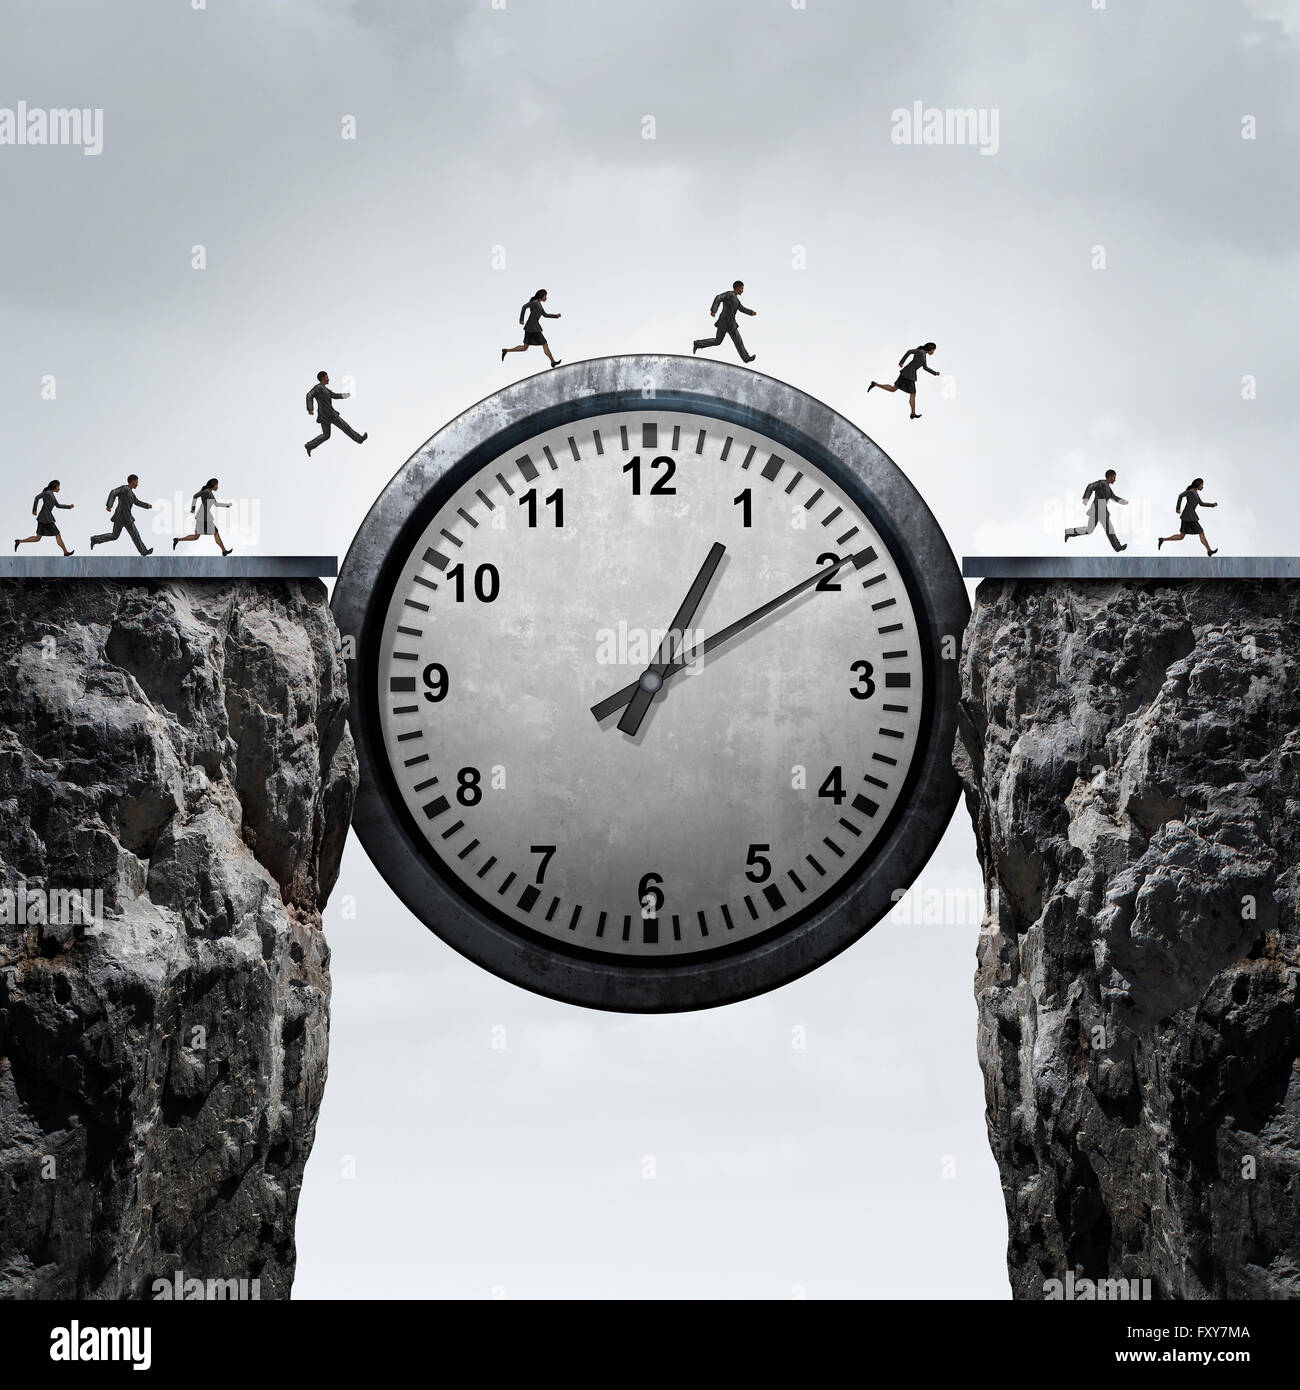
column 1131, row 759
column 176, row 780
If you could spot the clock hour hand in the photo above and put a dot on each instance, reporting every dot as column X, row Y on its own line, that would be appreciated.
column 652, row 678
column 702, row 649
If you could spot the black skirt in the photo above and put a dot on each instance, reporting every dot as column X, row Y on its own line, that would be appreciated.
column 46, row 528
column 1189, row 525
column 534, row 337
column 906, row 383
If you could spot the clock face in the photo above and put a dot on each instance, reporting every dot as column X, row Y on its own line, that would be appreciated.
column 647, row 684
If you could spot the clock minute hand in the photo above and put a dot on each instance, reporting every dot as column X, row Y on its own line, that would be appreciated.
column 620, row 697
column 652, row 678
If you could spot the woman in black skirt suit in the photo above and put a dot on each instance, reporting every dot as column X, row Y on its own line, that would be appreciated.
column 1188, row 501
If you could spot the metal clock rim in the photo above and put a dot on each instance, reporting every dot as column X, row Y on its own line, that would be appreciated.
column 938, row 593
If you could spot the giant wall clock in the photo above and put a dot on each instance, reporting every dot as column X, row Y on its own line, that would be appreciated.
column 654, row 686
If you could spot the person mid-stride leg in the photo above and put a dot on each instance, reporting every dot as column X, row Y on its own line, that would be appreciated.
column 204, row 509
column 43, row 510
column 530, row 317
column 909, row 364
column 726, row 305
column 1099, row 495
column 1189, row 524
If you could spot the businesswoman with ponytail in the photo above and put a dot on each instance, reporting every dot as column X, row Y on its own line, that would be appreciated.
column 1188, row 501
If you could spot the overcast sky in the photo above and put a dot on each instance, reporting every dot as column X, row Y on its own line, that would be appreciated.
column 1101, row 288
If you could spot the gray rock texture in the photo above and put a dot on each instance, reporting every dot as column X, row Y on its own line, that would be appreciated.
column 1131, row 760
column 181, row 748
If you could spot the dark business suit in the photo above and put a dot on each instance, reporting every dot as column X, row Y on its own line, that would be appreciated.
column 727, row 305
column 326, row 415
column 122, row 500
column 46, row 502
column 1102, row 494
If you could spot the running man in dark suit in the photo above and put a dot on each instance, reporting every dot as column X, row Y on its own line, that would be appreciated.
column 1188, row 523
column 534, row 312
column 120, row 502
column 1102, row 493
column 326, row 415
column 909, row 364
column 43, row 505
column 729, row 302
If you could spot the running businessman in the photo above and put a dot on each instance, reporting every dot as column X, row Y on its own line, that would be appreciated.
column 728, row 301
column 327, row 417
column 120, row 503
column 1102, row 493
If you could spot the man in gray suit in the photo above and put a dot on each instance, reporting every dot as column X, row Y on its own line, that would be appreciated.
column 326, row 415
column 1102, row 493
column 120, row 502
column 729, row 302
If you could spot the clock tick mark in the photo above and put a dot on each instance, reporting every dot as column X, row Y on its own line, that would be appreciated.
column 487, row 868
column 832, row 846
column 600, row 447
column 448, row 536
column 704, row 926
column 797, row 881
column 426, row 784
column 699, row 443
column 573, row 449
column 468, row 850
column 850, row 827
column 436, row 808
column 465, row 516
column 414, row 762
column 726, row 447
column 892, row 627
column 413, row 733
column 846, row 538
column 794, row 483
column 775, row 897
column 453, row 829
column 412, row 603
column 875, row 579
column 649, row 435
column 772, row 467
column 749, row 457
column 427, row 583
column 817, row 866
column 830, row 516
column 865, row 557
column 864, row 805
column 726, row 917
column 550, row 911
column 401, row 685
column 749, row 903
column 436, row 559
column 528, row 898
column 813, row 500
column 573, row 921
column 550, row 457
column 505, row 887
column 510, row 492
column 527, row 467
column 406, row 709
column 486, row 500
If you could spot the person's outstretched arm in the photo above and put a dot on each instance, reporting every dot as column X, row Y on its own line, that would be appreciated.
column 933, row 371
column 67, row 506
column 743, row 310
column 135, row 502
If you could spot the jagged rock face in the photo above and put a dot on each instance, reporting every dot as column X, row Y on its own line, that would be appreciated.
column 1131, row 759
column 183, row 749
